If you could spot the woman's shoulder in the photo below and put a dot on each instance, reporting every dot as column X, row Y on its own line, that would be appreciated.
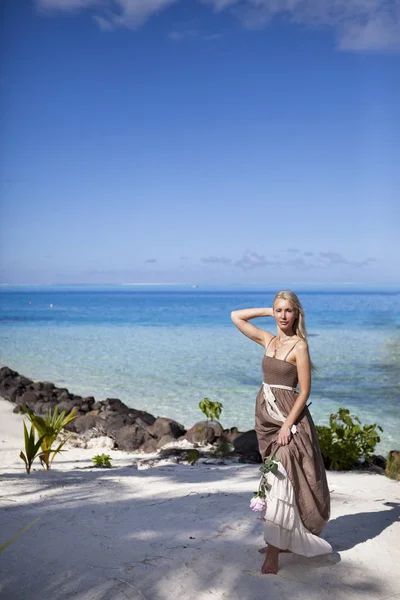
column 300, row 345
column 268, row 337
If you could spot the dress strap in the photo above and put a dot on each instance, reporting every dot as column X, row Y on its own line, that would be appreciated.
column 266, row 349
column 291, row 349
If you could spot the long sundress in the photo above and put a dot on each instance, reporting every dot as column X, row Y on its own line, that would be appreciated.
column 298, row 503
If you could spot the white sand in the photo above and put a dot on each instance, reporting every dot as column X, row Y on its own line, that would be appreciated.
column 178, row 531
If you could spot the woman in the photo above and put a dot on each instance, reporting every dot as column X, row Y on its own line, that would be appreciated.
column 298, row 502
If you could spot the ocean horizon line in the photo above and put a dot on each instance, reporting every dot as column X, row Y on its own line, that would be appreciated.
column 204, row 287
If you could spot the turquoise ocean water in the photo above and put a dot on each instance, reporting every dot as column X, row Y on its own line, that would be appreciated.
column 163, row 349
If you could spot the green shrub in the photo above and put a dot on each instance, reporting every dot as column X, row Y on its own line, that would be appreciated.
column 345, row 441
column 48, row 429
column 32, row 448
column 102, row 460
column 212, row 410
column 222, row 450
column 193, row 456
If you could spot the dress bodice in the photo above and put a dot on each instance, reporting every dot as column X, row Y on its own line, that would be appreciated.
column 279, row 372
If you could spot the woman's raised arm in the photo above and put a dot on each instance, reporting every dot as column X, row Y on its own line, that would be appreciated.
column 241, row 318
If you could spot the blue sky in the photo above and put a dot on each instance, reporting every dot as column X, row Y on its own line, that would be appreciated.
column 200, row 141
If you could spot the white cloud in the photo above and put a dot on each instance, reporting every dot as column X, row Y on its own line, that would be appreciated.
column 251, row 259
column 334, row 258
column 217, row 260
column 133, row 13
column 103, row 24
column 212, row 36
column 115, row 13
column 365, row 263
column 177, row 36
column 66, row 5
column 379, row 33
column 323, row 260
column 297, row 259
column 359, row 24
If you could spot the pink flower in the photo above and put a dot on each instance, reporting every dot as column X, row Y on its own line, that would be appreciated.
column 257, row 503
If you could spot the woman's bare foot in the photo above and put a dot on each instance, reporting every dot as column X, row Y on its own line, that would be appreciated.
column 270, row 565
column 264, row 550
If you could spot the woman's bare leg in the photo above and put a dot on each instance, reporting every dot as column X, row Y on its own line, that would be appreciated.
column 270, row 565
column 264, row 550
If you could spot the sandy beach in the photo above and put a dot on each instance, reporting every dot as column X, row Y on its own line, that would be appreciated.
column 178, row 531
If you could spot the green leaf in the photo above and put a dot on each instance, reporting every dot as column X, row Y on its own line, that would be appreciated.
column 48, row 428
column 27, row 465
column 345, row 442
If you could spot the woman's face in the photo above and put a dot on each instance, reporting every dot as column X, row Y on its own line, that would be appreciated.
column 285, row 314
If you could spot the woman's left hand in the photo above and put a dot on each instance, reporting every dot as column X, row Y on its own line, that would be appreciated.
column 284, row 436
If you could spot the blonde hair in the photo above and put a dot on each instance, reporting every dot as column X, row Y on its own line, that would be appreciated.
column 299, row 325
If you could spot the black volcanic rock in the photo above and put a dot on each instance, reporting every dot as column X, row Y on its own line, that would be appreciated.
column 204, row 432
column 163, row 426
column 131, row 437
column 246, row 445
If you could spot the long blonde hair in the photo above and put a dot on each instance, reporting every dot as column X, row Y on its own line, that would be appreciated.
column 299, row 325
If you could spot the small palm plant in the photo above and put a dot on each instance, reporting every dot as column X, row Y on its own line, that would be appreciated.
column 48, row 429
column 102, row 460
column 212, row 410
column 32, row 448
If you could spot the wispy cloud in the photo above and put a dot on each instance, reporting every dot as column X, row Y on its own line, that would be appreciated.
column 66, row 5
column 296, row 259
column 211, row 37
column 111, row 14
column 334, row 258
column 365, row 263
column 103, row 24
column 359, row 24
column 181, row 34
column 177, row 36
column 151, row 260
column 323, row 260
column 251, row 260
column 217, row 260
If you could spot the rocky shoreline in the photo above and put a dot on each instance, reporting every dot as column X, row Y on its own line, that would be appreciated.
column 122, row 427
column 111, row 424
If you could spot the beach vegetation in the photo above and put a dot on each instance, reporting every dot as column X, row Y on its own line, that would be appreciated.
column 223, row 449
column 393, row 465
column 211, row 410
column 346, row 442
column 193, row 456
column 32, row 447
column 49, row 428
column 102, row 461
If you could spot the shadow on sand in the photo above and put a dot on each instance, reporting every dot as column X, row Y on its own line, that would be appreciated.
column 105, row 535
